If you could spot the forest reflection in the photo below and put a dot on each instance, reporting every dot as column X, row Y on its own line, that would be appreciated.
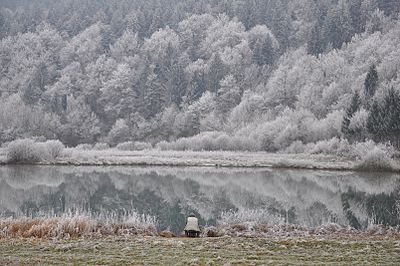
column 303, row 197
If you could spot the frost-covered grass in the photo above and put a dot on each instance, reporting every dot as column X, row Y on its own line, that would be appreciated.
column 132, row 224
column 201, row 158
column 325, row 231
column 198, row 251
column 262, row 223
column 73, row 225
column 258, row 216
column 205, row 158
column 134, row 146
column 81, row 240
column 101, row 146
column 333, row 154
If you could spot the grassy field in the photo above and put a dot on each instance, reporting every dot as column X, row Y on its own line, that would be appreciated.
column 200, row 251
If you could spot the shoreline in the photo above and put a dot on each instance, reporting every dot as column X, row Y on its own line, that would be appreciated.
column 133, row 164
column 225, row 159
column 218, row 159
column 85, row 226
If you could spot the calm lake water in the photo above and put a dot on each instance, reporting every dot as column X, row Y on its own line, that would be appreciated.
column 298, row 196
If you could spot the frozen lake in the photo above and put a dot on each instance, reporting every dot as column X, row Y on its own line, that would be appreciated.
column 306, row 197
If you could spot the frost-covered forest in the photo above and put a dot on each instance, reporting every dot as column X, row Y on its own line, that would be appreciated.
column 269, row 75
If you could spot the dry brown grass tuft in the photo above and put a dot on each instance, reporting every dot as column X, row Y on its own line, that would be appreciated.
column 68, row 227
column 167, row 234
column 239, row 227
column 262, row 228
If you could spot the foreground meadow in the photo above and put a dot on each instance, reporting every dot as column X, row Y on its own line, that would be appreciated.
column 80, row 240
column 200, row 251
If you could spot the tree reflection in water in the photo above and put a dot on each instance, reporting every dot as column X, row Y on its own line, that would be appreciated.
column 303, row 197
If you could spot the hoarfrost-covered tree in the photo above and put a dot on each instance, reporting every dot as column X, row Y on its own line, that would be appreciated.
column 87, row 46
column 337, row 25
column 119, row 133
column 263, row 52
column 126, row 46
column 154, row 94
column 80, row 124
column 196, row 87
column 100, row 74
column 383, row 121
column 316, row 42
column 281, row 23
column 371, row 82
column 119, row 95
column 351, row 110
column 392, row 117
column 216, row 73
column 358, row 125
column 178, row 71
column 178, row 85
column 17, row 118
column 228, row 96
column 376, row 122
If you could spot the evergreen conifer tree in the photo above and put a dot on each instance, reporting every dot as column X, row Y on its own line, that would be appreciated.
column 154, row 97
column 263, row 52
column 316, row 43
column 371, row 82
column 392, row 116
column 354, row 107
column 216, row 74
column 376, row 122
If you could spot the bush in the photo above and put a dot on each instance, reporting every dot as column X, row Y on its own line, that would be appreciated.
column 362, row 149
column 163, row 145
column 139, row 146
column 126, row 146
column 84, row 147
column 334, row 146
column 377, row 158
column 371, row 156
column 101, row 146
column 120, row 132
column 5, row 145
column 23, row 151
column 134, row 146
column 295, row 148
column 210, row 141
column 29, row 151
column 54, row 148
